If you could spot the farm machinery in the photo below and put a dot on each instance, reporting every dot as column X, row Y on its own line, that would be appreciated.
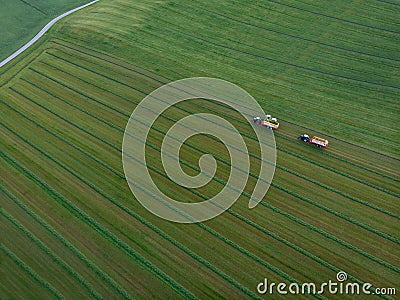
column 315, row 140
column 268, row 122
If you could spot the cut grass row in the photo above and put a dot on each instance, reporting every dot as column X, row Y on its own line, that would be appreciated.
column 31, row 272
column 52, row 255
column 121, row 175
column 73, row 209
column 343, row 243
column 68, row 245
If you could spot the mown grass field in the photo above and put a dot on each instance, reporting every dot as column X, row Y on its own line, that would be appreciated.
column 71, row 226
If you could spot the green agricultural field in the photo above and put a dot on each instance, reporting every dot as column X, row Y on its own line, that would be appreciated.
column 72, row 228
column 22, row 19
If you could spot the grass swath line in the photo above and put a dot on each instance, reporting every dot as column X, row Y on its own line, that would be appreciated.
column 386, row 236
column 53, row 256
column 32, row 273
column 68, row 245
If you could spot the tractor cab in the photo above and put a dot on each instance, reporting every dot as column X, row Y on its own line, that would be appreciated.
column 304, row 137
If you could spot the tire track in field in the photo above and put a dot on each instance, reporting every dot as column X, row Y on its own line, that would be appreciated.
column 249, row 53
column 235, row 20
column 34, row 7
column 199, row 38
column 330, row 17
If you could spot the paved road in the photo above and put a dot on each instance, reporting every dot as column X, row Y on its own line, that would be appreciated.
column 43, row 31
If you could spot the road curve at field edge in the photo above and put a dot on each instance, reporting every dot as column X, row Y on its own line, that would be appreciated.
column 42, row 32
